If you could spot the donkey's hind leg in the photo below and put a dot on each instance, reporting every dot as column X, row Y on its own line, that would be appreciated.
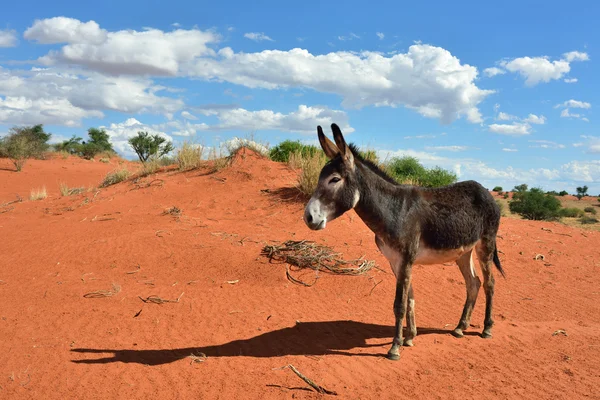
column 472, row 283
column 485, row 252
column 411, row 327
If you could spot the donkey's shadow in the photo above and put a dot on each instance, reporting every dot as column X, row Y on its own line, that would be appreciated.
column 306, row 338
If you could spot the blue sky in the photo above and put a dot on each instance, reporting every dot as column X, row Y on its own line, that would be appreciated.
column 503, row 93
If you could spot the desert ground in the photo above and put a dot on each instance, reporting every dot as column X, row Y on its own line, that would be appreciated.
column 75, row 271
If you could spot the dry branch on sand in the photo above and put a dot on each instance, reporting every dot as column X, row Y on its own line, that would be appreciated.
column 157, row 300
column 318, row 388
column 306, row 254
column 103, row 293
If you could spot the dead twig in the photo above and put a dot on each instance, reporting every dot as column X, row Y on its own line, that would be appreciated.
column 157, row 300
column 103, row 293
column 138, row 268
column 556, row 233
column 305, row 254
column 197, row 358
column 18, row 200
column 312, row 384
column 374, row 286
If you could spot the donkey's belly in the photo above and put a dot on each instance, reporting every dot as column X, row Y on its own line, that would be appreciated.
column 426, row 255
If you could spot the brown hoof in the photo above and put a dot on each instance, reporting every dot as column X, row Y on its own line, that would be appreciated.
column 486, row 335
column 457, row 333
column 392, row 356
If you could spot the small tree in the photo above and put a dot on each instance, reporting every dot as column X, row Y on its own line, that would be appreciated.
column 581, row 192
column 71, row 146
column 22, row 143
column 563, row 193
column 146, row 146
column 100, row 138
column 283, row 150
column 535, row 204
column 520, row 188
column 497, row 189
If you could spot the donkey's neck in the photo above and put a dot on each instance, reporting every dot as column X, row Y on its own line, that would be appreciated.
column 382, row 205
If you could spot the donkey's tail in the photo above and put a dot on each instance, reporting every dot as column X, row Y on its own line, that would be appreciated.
column 497, row 262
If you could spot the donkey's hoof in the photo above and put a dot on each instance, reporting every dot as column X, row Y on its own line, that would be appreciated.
column 486, row 335
column 408, row 343
column 457, row 333
column 393, row 356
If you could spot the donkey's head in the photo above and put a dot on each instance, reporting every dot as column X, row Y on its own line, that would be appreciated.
column 337, row 190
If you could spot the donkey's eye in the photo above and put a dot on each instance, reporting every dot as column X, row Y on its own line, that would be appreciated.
column 334, row 180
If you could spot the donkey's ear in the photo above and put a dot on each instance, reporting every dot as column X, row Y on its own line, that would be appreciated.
column 328, row 146
column 341, row 144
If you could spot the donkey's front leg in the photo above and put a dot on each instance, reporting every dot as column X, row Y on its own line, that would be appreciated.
column 400, row 305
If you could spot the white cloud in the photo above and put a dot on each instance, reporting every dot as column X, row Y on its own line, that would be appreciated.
column 188, row 115
column 576, row 56
column 546, row 144
column 502, row 116
column 150, row 52
column 570, row 80
column 509, row 150
column 380, row 35
column 120, row 133
column 541, row 69
column 304, row 120
column 257, row 37
column 515, row 128
column 74, row 96
column 429, row 136
column 447, row 148
column 427, row 79
column 349, row 37
column 534, row 119
column 493, row 71
column 65, row 30
column 574, row 104
column 8, row 38
column 50, row 111
column 566, row 112
column 592, row 144
column 571, row 174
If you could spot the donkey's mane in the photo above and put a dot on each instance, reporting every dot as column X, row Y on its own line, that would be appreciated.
column 371, row 165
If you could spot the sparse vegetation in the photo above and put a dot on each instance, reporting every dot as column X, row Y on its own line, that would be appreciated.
column 98, row 143
column 534, row 204
column 189, row 156
column 311, row 166
column 409, row 169
column 116, row 176
column 38, row 194
column 147, row 146
column 581, row 192
column 587, row 220
column 497, row 189
column 571, row 212
column 23, row 143
column 236, row 144
column 104, row 160
column 563, row 193
column 65, row 190
column 590, row 210
column 284, row 150
column 501, row 206
column 219, row 161
column 506, row 195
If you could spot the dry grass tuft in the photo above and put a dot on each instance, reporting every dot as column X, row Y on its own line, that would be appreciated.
column 38, row 194
column 311, row 166
column 116, row 176
column 189, row 156
column 65, row 190
column 219, row 161
column 305, row 254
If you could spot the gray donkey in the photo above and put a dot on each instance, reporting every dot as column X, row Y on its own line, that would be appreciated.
column 412, row 225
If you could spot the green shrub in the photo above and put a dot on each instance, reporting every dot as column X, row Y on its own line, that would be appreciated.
column 497, row 189
column 506, row 195
column 563, row 193
column 282, row 152
column 534, row 204
column 571, row 212
column 410, row 169
column 22, row 143
column 591, row 210
column 585, row 220
column 146, row 146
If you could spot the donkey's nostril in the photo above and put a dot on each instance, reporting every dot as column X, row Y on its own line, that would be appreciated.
column 309, row 218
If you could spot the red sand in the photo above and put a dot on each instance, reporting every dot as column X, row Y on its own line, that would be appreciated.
column 58, row 344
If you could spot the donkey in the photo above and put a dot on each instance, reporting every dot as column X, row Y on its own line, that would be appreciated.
column 412, row 225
